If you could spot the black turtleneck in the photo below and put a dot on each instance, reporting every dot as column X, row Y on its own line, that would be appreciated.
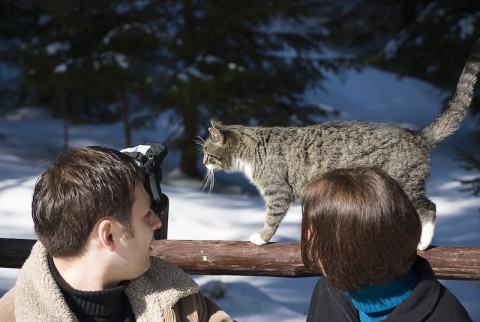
column 100, row 306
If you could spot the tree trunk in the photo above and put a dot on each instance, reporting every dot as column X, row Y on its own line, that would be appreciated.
column 63, row 107
column 127, row 129
column 188, row 159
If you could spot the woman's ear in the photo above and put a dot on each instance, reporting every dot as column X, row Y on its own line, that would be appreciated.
column 105, row 231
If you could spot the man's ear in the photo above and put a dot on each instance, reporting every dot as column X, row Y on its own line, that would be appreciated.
column 105, row 231
column 217, row 137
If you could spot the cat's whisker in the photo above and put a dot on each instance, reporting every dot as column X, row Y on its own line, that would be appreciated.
column 197, row 149
column 205, row 180
column 199, row 139
column 209, row 180
column 199, row 142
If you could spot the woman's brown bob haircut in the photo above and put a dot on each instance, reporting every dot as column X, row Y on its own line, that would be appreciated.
column 359, row 228
column 81, row 187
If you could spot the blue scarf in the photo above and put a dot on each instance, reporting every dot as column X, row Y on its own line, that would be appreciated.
column 375, row 303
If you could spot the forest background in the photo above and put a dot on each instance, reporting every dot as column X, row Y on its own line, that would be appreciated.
column 250, row 62
column 92, row 64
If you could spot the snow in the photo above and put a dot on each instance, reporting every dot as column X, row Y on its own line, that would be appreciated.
column 60, row 68
column 56, row 47
column 467, row 26
column 234, row 211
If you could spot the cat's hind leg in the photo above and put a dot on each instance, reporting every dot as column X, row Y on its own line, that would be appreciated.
column 428, row 230
column 427, row 212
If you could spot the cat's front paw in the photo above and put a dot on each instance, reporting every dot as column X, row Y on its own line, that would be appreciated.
column 257, row 240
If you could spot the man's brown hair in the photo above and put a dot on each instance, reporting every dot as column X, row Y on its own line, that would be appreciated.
column 359, row 228
column 81, row 187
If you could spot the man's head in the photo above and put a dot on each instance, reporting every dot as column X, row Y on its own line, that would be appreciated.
column 81, row 187
column 359, row 228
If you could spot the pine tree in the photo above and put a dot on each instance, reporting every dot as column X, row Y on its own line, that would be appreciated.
column 84, row 59
column 470, row 163
column 427, row 39
column 242, row 61
column 246, row 61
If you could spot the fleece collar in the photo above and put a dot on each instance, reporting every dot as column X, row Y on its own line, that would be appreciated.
column 38, row 298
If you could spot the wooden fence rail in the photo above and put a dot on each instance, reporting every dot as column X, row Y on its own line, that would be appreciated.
column 245, row 258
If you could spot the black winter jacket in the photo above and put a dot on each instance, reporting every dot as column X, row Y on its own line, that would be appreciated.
column 429, row 301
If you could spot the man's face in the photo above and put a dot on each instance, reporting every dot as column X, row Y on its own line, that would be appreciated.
column 135, row 251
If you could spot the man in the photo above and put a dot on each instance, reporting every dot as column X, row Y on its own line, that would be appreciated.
column 92, row 261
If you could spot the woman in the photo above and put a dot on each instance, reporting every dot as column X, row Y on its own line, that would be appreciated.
column 361, row 231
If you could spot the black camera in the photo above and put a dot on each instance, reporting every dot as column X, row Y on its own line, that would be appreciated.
column 149, row 157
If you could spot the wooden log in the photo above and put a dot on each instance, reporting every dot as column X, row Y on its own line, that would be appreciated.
column 233, row 257
column 283, row 259
column 245, row 258
column 14, row 252
column 459, row 263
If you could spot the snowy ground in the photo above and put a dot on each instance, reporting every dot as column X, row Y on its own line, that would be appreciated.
column 237, row 212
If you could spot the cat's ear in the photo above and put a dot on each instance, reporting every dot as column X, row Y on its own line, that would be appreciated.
column 217, row 136
column 216, row 123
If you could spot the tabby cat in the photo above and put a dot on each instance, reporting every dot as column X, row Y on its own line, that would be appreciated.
column 279, row 161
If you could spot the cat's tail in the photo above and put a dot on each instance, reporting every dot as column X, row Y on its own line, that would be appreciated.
column 449, row 120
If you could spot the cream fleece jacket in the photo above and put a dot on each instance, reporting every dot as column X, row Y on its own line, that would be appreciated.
column 164, row 293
